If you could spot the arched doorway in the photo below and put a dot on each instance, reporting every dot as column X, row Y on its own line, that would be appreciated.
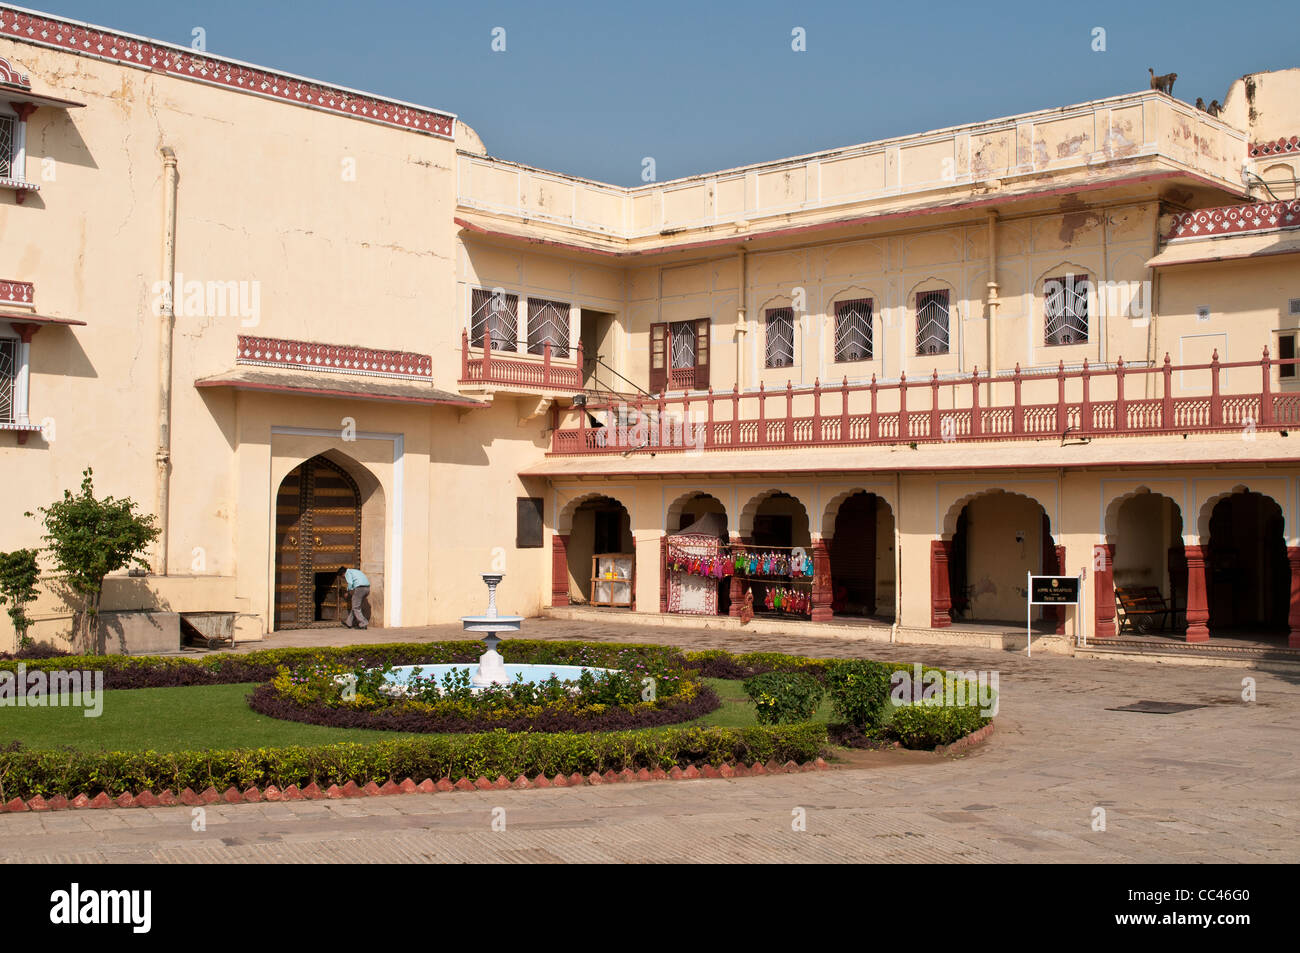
column 998, row 540
column 1248, row 577
column 1146, row 531
column 601, row 527
column 693, row 578
column 317, row 529
column 781, row 555
column 861, row 553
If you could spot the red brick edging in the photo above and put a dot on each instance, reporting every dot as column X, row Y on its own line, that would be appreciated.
column 968, row 741
column 312, row 792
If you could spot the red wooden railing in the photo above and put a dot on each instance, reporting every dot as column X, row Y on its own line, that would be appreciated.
column 497, row 367
column 736, row 421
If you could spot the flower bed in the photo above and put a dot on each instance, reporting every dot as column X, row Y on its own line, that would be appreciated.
column 339, row 697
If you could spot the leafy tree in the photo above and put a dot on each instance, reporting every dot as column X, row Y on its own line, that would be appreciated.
column 18, row 576
column 88, row 539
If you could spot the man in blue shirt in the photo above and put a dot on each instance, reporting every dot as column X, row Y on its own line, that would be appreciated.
column 359, row 587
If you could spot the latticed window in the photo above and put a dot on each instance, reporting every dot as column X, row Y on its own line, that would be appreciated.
column 1065, row 310
column 7, row 136
column 8, row 378
column 853, row 330
column 497, row 314
column 932, row 322
column 780, row 337
column 683, row 344
column 548, row 323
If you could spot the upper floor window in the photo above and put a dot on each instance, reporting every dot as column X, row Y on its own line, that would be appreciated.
column 8, row 380
column 9, row 148
column 548, row 323
column 1065, row 310
column 679, row 355
column 932, row 322
column 779, row 343
column 495, row 314
column 853, row 330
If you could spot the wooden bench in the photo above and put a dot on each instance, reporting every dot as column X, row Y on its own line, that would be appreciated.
column 1141, row 609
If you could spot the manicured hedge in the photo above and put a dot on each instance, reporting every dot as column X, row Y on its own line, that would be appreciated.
column 927, row 726
column 666, row 711
column 25, row 774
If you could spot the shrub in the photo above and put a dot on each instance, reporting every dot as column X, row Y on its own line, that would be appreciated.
column 18, row 578
column 783, row 698
column 922, row 725
column 859, row 690
column 25, row 774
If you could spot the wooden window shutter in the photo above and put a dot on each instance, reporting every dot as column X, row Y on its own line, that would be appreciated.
column 658, row 358
column 702, row 354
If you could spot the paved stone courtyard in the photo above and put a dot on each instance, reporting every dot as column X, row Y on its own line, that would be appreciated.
column 1213, row 784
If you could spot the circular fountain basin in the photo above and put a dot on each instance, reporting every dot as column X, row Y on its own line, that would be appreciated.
column 401, row 675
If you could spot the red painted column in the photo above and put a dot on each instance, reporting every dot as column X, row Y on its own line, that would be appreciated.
column 663, row 573
column 560, row 569
column 821, row 583
column 940, row 596
column 1060, row 571
column 1198, row 609
column 737, row 589
column 1103, row 591
column 1293, row 616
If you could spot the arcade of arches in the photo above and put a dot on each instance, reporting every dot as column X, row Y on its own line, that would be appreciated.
column 1223, row 572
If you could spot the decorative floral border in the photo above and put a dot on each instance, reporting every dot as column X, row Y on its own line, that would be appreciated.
column 177, row 61
column 1235, row 219
column 336, row 358
column 17, row 292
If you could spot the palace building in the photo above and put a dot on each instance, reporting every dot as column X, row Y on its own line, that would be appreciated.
column 877, row 387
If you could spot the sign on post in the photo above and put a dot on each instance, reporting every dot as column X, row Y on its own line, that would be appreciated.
column 1049, row 591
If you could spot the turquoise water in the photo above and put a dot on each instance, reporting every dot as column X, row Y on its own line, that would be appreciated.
column 531, row 673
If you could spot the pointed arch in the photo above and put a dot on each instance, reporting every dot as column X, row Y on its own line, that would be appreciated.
column 750, row 509
column 564, row 516
column 1111, row 526
column 673, row 514
column 832, row 508
column 1207, row 509
column 954, row 511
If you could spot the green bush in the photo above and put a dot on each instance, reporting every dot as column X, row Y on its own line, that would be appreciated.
column 922, row 725
column 859, row 690
column 783, row 698
column 25, row 774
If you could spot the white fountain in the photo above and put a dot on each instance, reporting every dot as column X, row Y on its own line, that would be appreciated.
column 491, row 666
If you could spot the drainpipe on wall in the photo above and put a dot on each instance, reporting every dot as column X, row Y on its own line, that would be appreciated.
column 741, row 327
column 167, row 312
column 993, row 303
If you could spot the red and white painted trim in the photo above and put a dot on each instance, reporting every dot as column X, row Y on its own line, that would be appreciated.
column 1278, row 147
column 1235, row 220
column 17, row 292
column 335, row 358
column 87, row 40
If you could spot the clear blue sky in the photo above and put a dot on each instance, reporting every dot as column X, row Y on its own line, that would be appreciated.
column 591, row 88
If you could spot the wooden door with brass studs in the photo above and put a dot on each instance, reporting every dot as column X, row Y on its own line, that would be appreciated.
column 317, row 529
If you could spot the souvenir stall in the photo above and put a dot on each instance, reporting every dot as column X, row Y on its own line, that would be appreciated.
column 699, row 567
column 780, row 578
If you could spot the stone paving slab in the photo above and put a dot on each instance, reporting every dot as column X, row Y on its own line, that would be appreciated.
column 1213, row 784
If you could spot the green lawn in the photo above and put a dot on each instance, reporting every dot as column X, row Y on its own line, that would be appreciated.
column 217, row 716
